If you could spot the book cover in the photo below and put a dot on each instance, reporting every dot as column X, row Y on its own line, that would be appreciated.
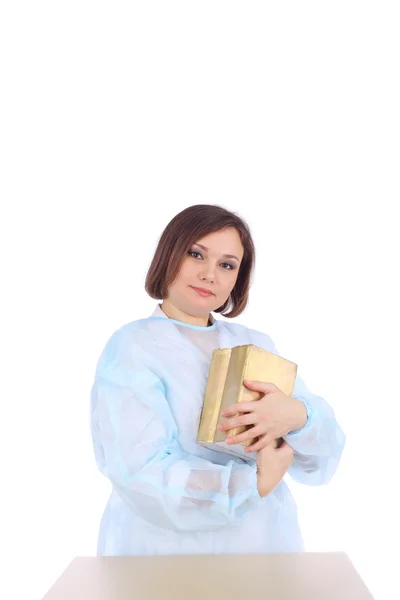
column 229, row 368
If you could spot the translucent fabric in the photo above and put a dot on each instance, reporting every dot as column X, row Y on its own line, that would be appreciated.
column 170, row 495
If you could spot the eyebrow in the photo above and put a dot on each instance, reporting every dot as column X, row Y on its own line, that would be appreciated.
column 224, row 255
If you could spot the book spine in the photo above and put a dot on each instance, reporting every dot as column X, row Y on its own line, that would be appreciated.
column 213, row 396
column 233, row 389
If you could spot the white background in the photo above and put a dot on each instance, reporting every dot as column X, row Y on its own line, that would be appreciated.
column 115, row 116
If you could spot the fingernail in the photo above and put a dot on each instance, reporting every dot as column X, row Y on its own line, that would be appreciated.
column 228, row 440
column 219, row 427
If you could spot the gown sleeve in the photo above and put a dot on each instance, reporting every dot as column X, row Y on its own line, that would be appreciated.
column 136, row 445
column 319, row 445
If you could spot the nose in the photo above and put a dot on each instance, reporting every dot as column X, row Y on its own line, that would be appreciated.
column 207, row 274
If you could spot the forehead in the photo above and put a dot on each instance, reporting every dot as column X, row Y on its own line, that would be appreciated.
column 225, row 241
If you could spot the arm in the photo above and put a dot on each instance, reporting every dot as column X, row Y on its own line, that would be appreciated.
column 135, row 440
column 273, row 461
column 318, row 445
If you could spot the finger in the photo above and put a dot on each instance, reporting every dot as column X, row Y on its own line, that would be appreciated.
column 246, row 436
column 262, row 442
column 259, row 386
column 247, row 419
column 240, row 407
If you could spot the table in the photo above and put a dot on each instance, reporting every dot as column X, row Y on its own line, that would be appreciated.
column 289, row 576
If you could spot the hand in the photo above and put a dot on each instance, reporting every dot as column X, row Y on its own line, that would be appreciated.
column 267, row 419
column 272, row 464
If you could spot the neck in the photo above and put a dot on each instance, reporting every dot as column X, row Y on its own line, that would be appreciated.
column 173, row 312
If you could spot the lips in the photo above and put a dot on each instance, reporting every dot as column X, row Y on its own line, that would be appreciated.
column 203, row 291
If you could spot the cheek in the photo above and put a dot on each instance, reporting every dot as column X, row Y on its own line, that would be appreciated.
column 185, row 272
column 233, row 278
column 229, row 282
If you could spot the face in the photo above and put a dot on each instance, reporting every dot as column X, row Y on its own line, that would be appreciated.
column 208, row 273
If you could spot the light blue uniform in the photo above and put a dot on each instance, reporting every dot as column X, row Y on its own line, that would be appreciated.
column 169, row 494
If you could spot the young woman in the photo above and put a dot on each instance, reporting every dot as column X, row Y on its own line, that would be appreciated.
column 169, row 494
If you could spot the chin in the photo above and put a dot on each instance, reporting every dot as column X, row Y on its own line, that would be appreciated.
column 202, row 307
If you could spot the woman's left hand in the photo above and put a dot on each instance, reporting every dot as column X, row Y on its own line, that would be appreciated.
column 269, row 418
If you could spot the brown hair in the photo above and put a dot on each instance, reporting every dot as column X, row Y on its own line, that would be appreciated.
column 186, row 228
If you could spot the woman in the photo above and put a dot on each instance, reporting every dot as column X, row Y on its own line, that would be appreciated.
column 169, row 494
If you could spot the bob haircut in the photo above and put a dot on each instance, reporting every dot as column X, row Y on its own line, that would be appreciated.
column 185, row 229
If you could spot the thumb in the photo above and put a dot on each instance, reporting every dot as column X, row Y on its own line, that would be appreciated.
column 259, row 386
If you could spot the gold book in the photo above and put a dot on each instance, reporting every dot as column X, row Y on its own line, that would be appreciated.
column 229, row 368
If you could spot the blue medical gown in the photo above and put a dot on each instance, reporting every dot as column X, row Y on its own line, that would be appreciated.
column 170, row 495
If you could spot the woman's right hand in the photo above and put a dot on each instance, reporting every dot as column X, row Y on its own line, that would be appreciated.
column 272, row 464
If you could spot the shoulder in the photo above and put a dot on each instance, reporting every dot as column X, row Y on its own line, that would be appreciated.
column 129, row 331
column 255, row 337
column 125, row 339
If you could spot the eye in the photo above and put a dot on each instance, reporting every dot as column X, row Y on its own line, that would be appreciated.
column 227, row 266
column 194, row 254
